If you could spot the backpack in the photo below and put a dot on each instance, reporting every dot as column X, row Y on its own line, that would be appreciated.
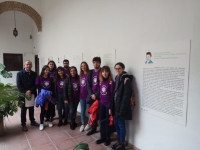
column 82, row 146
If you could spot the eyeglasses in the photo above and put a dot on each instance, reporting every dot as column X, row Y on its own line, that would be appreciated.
column 118, row 68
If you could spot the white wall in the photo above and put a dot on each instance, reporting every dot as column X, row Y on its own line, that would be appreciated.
column 22, row 44
column 94, row 27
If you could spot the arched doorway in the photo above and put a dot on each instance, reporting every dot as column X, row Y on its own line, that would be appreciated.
column 12, row 5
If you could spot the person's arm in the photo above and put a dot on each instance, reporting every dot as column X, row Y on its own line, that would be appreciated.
column 112, row 89
column 89, row 83
column 37, row 84
column 67, row 90
column 33, row 88
column 19, row 83
column 126, row 97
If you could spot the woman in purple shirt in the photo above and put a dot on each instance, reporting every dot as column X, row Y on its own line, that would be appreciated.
column 84, row 69
column 75, row 96
column 53, row 67
column 59, row 81
column 44, row 81
column 106, row 88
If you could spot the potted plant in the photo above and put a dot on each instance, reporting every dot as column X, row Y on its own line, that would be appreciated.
column 9, row 95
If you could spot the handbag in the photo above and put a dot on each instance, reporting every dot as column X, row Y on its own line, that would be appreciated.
column 111, row 121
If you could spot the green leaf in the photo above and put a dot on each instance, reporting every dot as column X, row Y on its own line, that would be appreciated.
column 2, row 67
column 6, row 74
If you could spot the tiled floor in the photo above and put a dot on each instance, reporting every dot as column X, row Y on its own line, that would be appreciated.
column 55, row 138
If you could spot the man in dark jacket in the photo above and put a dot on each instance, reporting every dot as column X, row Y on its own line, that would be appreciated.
column 93, row 88
column 26, row 84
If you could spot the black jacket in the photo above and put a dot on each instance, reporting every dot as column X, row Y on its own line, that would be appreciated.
column 67, row 89
column 26, row 81
column 122, row 106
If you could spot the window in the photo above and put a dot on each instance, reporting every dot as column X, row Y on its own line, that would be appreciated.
column 13, row 62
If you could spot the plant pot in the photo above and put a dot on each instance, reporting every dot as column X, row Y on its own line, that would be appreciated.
column 1, row 126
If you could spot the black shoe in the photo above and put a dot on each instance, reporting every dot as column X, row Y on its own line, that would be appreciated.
column 107, row 142
column 120, row 146
column 65, row 122
column 101, row 140
column 51, row 119
column 24, row 128
column 60, row 123
column 92, row 131
column 115, row 145
column 34, row 123
column 72, row 126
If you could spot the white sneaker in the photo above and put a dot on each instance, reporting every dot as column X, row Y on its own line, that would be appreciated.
column 88, row 127
column 49, row 124
column 41, row 127
column 82, row 128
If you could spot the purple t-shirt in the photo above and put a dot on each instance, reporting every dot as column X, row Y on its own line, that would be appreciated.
column 106, row 91
column 95, row 81
column 67, row 71
column 59, row 85
column 52, row 73
column 83, row 87
column 45, row 83
column 75, row 89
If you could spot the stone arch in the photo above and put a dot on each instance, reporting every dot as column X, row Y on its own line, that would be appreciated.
column 12, row 5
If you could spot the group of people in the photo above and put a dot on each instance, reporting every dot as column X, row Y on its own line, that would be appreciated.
column 68, row 88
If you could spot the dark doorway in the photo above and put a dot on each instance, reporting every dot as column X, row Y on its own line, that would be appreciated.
column 37, row 64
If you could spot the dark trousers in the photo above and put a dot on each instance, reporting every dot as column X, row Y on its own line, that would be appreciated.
column 46, row 113
column 73, row 110
column 61, row 106
column 23, row 114
column 104, row 120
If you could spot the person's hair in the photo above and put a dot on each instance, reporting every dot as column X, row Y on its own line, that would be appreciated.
column 65, row 60
column 43, row 69
column 55, row 67
column 96, row 59
column 120, row 64
column 106, row 69
column 148, row 53
column 87, row 68
column 73, row 67
column 57, row 76
column 27, row 61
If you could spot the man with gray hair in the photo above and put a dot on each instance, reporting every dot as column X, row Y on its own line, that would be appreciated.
column 26, row 84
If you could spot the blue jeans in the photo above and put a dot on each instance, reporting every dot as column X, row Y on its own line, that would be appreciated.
column 84, row 105
column 120, row 128
column 61, row 106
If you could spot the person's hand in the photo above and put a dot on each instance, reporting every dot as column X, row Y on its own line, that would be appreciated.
column 50, row 98
column 66, row 101
column 93, row 97
column 28, row 93
column 132, row 103
column 110, row 112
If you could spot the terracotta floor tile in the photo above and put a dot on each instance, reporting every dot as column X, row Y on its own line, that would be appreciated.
column 84, row 138
column 74, row 133
column 65, row 145
column 2, row 143
column 39, row 142
column 59, row 136
column 46, row 147
column 34, row 132
column 18, row 146
column 12, row 139
column 94, row 146
column 53, row 129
